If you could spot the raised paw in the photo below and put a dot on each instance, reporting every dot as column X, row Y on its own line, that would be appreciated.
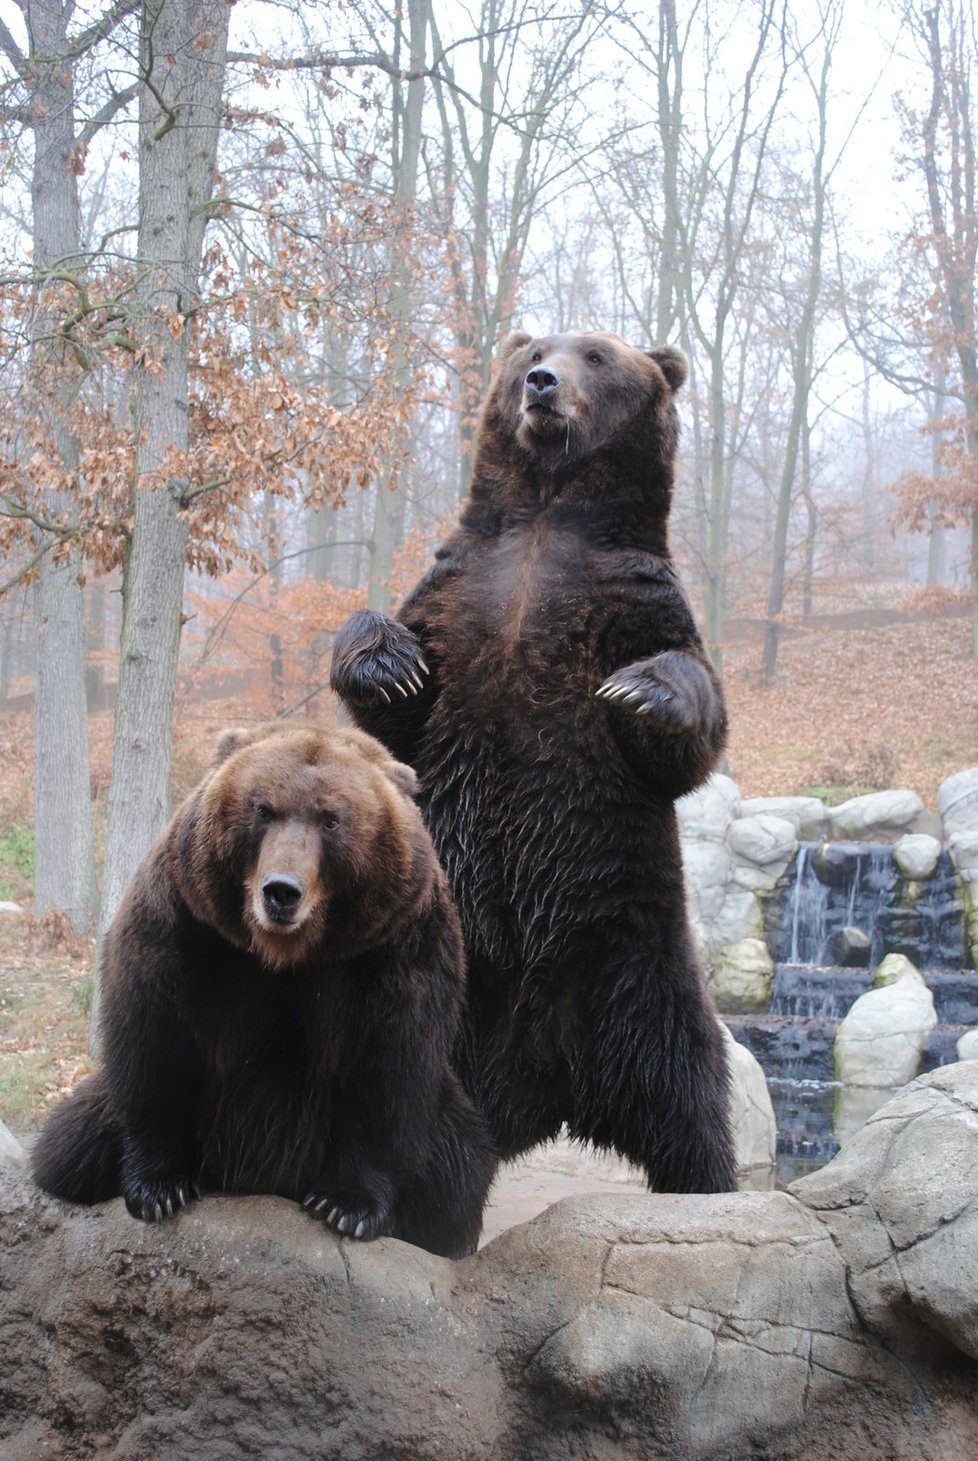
column 354, row 1214
column 377, row 659
column 152, row 1201
column 674, row 689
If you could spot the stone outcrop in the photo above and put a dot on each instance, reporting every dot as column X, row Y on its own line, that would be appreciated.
column 742, row 978
column 755, row 1127
column 880, row 1041
column 916, row 854
column 838, row 1320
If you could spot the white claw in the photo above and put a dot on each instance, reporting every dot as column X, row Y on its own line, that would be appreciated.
column 417, row 679
column 384, row 693
column 643, row 709
column 332, row 1215
column 424, row 668
column 401, row 690
column 361, row 1228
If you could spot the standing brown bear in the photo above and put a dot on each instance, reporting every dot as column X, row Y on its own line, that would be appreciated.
column 547, row 682
column 282, row 989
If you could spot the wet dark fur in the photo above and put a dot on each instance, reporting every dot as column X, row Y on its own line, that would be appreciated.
column 550, row 806
column 321, row 1075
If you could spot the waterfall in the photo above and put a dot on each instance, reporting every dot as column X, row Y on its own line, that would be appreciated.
column 858, row 885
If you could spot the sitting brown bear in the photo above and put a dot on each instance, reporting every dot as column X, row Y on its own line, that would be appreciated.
column 547, row 682
column 282, row 988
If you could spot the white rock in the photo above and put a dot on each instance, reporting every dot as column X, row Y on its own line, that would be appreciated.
column 879, row 1043
column 957, row 802
column 708, row 811
column 763, row 839
column 893, row 968
column 739, row 917
column 880, row 815
column 6, row 907
column 807, row 814
column 967, row 1046
column 752, row 1114
column 963, row 847
column 916, row 855
column 743, row 976
column 12, row 1154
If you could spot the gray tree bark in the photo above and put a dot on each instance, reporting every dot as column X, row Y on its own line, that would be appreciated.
column 64, row 842
column 388, row 521
column 182, row 60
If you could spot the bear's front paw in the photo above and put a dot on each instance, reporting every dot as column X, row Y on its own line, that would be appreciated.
column 672, row 688
column 352, row 1213
column 152, row 1201
column 377, row 659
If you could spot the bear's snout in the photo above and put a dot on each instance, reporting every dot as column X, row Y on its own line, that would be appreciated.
column 540, row 386
column 281, row 895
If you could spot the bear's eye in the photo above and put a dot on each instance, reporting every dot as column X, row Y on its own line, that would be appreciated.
column 264, row 812
column 595, row 357
column 535, row 358
column 329, row 820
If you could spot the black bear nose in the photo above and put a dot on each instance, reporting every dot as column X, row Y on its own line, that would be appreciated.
column 541, row 381
column 281, row 893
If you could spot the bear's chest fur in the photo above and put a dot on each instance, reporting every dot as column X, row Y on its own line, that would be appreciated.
column 530, row 619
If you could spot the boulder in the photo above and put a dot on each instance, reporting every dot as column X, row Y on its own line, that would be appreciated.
column 742, row 978
column 763, row 846
column 912, row 1167
column 963, row 847
column 807, row 814
column 839, row 1320
column 957, row 802
column 850, row 948
column 833, row 863
column 917, row 855
column 709, row 810
column 894, row 967
column 967, row 1046
column 880, row 1041
column 881, row 816
column 754, row 1123
column 8, row 907
column 12, row 1154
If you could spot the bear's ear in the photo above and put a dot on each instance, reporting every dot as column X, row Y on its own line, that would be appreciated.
column 672, row 362
column 512, row 343
column 228, row 742
column 402, row 776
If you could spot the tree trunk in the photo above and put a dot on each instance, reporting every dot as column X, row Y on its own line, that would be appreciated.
column 64, row 842
column 389, row 502
column 182, row 50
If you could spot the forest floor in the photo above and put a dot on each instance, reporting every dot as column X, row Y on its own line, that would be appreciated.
column 857, row 707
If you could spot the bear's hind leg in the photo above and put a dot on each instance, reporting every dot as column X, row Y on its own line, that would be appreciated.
column 77, row 1154
column 654, row 1087
column 441, row 1207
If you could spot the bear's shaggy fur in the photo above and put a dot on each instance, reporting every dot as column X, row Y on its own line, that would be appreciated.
column 282, row 988
column 548, row 684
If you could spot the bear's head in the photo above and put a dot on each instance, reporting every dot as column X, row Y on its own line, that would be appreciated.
column 563, row 398
column 302, row 843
